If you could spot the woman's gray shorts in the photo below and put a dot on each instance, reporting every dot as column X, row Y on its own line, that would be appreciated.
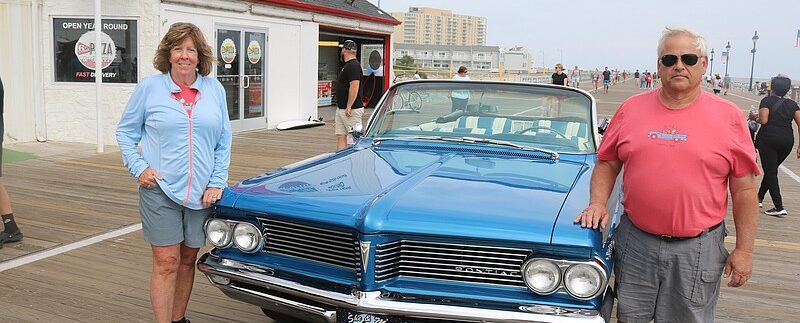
column 167, row 223
column 667, row 280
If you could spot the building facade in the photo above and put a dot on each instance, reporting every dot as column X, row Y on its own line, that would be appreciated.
column 488, row 58
column 273, row 58
column 439, row 27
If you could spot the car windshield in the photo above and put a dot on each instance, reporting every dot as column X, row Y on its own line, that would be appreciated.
column 528, row 116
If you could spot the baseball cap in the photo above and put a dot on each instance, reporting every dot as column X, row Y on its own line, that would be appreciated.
column 350, row 45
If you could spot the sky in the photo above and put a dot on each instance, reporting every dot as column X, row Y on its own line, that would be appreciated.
column 624, row 33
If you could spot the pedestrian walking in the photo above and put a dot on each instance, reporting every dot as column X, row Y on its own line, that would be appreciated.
column 596, row 79
column 180, row 117
column 416, row 76
column 717, row 84
column 648, row 80
column 559, row 77
column 775, row 140
column 11, row 232
column 642, row 80
column 348, row 94
column 669, row 248
column 460, row 98
column 726, row 84
column 606, row 80
column 575, row 77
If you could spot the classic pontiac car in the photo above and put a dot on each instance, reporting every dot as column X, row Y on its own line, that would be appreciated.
column 435, row 214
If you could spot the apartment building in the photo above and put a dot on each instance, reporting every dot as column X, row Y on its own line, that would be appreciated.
column 432, row 26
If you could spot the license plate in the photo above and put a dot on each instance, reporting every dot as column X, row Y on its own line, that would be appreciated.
column 345, row 316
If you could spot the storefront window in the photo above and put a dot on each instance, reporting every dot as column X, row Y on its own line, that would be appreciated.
column 74, row 58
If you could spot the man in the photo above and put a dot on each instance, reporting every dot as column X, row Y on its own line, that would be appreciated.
column 11, row 232
column 348, row 94
column 669, row 250
column 606, row 80
column 636, row 76
column 416, row 76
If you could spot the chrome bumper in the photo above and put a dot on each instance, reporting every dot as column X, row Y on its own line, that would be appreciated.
column 314, row 304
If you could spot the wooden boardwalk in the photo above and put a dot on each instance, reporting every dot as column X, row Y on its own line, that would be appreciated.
column 70, row 193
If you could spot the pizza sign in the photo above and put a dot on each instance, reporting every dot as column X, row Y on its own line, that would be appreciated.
column 85, row 47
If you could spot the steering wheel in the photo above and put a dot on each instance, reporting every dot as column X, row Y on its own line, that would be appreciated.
column 542, row 127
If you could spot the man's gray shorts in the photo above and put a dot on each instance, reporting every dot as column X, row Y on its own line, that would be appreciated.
column 167, row 223
column 669, row 281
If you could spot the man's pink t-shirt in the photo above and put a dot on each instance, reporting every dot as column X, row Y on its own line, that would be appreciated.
column 676, row 163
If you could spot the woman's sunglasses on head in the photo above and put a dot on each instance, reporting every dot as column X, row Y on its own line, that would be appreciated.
column 688, row 59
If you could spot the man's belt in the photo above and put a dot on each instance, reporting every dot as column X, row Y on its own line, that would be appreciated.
column 667, row 237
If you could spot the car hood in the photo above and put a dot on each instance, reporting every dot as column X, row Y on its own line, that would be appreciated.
column 432, row 192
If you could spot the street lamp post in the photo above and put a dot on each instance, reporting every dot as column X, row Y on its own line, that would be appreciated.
column 728, row 58
column 712, row 63
column 755, row 39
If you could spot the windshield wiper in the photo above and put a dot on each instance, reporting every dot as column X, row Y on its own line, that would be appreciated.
column 471, row 140
column 552, row 154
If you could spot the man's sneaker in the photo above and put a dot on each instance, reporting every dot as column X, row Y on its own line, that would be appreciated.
column 775, row 212
column 760, row 205
column 6, row 237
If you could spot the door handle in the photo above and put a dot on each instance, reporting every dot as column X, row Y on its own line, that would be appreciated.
column 246, row 78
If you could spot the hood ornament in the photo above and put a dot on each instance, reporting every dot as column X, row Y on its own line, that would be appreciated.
column 364, row 248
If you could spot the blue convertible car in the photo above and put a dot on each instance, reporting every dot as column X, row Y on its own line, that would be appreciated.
column 437, row 213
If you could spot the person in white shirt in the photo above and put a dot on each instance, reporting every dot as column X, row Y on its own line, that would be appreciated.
column 416, row 76
column 575, row 77
column 460, row 97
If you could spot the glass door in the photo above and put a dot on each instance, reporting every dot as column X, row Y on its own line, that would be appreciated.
column 241, row 70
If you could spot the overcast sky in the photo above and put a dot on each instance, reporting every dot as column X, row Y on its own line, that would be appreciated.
column 624, row 33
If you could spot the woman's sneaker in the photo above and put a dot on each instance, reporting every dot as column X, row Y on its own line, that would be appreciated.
column 775, row 212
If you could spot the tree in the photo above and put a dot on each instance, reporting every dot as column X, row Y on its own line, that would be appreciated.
column 406, row 61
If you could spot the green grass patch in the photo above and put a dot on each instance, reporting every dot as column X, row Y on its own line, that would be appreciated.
column 13, row 156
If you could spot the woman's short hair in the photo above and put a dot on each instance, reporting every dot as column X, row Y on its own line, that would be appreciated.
column 462, row 69
column 780, row 85
column 176, row 34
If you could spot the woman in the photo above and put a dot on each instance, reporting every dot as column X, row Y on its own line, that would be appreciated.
column 460, row 97
column 559, row 77
column 775, row 140
column 181, row 119
column 596, row 78
column 717, row 84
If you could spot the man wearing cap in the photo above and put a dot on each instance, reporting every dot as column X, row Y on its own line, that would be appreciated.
column 683, row 151
column 348, row 94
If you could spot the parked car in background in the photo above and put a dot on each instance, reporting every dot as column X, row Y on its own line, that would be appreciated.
column 433, row 215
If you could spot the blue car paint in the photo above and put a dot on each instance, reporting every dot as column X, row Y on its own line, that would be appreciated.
column 515, row 200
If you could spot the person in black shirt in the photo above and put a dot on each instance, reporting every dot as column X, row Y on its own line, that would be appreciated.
column 348, row 94
column 606, row 80
column 559, row 77
column 11, row 232
column 775, row 140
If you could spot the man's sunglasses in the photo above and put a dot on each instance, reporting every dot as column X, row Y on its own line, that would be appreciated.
column 688, row 59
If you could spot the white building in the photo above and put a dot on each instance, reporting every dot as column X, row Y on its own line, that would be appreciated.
column 516, row 59
column 489, row 58
column 442, row 56
column 288, row 52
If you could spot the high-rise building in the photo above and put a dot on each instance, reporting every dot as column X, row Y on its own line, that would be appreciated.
column 439, row 27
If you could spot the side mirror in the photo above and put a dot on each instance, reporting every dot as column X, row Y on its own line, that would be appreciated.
column 358, row 131
column 601, row 128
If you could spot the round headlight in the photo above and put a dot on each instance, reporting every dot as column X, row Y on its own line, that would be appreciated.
column 218, row 232
column 246, row 237
column 583, row 280
column 542, row 276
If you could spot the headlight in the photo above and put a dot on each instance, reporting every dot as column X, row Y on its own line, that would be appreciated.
column 246, row 237
column 583, row 280
column 542, row 276
column 218, row 232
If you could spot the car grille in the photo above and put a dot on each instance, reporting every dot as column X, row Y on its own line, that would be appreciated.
column 467, row 263
column 328, row 246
